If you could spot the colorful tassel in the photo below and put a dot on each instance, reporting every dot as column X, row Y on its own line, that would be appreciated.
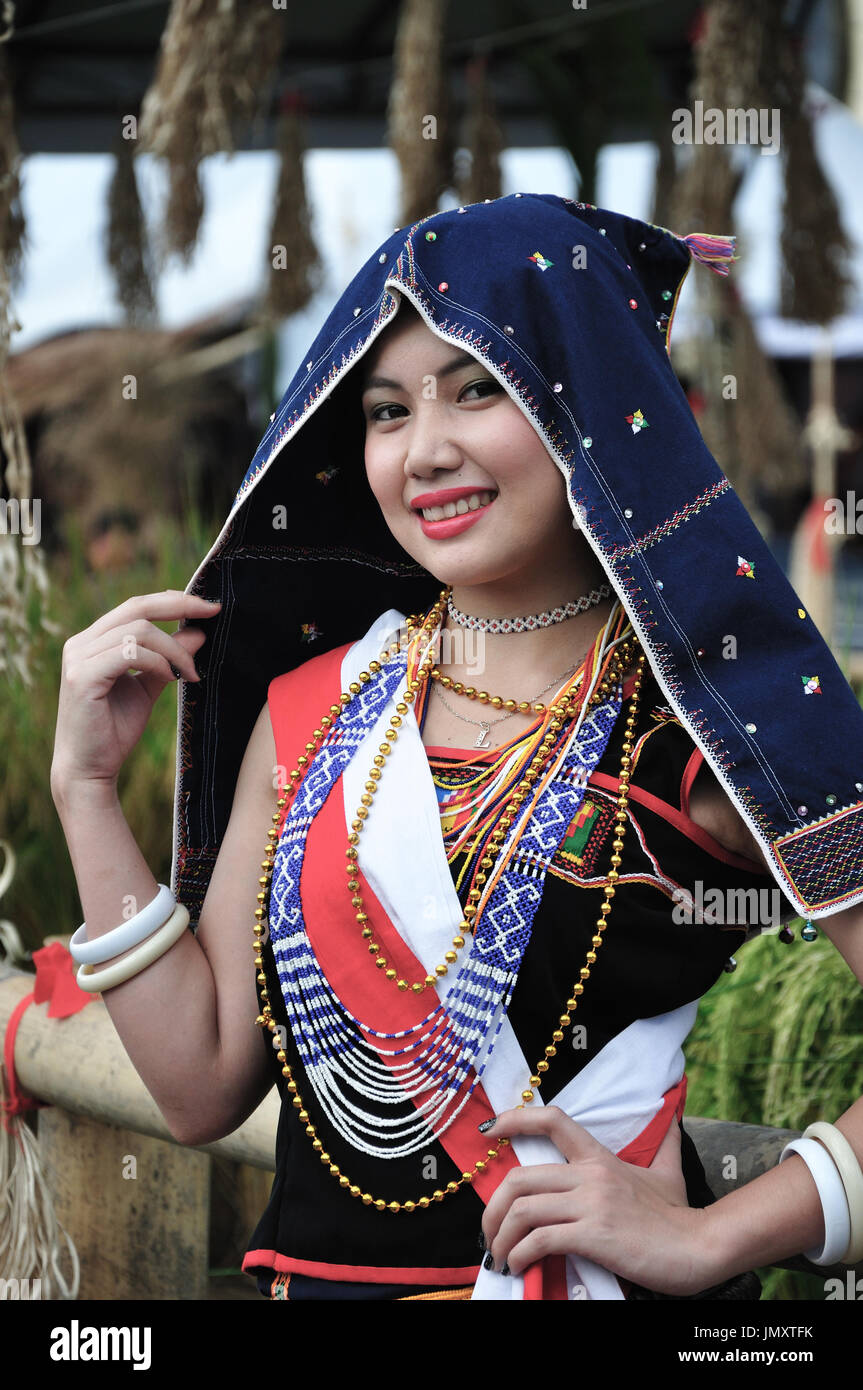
column 717, row 252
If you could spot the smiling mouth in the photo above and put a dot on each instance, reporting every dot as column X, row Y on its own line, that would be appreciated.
column 459, row 508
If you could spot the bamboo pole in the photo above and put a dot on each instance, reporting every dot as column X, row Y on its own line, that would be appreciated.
column 80, row 1065
column 97, row 1080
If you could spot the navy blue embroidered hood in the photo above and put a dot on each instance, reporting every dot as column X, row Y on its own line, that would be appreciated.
column 569, row 307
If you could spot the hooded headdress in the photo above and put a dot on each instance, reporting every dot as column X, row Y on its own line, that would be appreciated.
column 569, row 307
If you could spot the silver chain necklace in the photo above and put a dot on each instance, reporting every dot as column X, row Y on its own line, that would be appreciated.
column 484, row 724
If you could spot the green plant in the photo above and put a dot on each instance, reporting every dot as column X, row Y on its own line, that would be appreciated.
column 779, row 1042
column 43, row 897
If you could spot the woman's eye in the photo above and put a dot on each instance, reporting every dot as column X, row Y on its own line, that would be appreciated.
column 487, row 386
column 377, row 412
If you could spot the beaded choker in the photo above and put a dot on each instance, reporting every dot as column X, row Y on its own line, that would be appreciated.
column 534, row 620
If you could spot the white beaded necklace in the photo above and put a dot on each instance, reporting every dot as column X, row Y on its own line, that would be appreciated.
column 534, row 620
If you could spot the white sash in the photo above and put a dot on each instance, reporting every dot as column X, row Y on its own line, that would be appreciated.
column 616, row 1094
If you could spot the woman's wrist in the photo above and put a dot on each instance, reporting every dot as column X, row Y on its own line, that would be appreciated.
column 711, row 1264
column 75, row 793
column 774, row 1217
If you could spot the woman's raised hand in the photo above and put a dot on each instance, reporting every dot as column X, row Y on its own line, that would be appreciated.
column 103, row 709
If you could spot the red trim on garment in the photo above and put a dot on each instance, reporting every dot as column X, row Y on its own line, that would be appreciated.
column 680, row 822
column 545, row 1281
column 690, row 772
column 360, row 1274
column 643, row 1149
column 302, row 685
column 475, row 754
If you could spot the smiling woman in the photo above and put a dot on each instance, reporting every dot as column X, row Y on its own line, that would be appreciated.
column 474, row 980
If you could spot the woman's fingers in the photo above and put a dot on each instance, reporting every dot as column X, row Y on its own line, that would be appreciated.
column 551, row 1237
column 571, row 1139
column 102, row 669
column 551, row 1200
column 132, row 638
column 519, row 1184
column 169, row 605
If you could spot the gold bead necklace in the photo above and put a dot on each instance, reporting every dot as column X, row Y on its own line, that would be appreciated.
column 265, row 1018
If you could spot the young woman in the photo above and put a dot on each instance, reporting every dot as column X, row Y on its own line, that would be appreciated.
column 451, row 921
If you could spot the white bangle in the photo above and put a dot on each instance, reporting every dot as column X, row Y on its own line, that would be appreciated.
column 97, row 981
column 128, row 934
column 831, row 1192
column 850, row 1172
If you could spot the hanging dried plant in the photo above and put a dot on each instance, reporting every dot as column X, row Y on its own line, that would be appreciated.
column 815, row 248
column 728, row 56
column 418, row 126
column 483, row 138
column 747, row 422
column 295, row 267
column 214, row 65
column 12, row 229
column 749, row 57
column 23, row 575
column 128, row 249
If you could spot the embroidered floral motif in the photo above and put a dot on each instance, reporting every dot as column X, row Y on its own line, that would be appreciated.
column 326, row 474
column 539, row 259
column 745, row 567
column 637, row 421
column 310, row 631
column 811, row 685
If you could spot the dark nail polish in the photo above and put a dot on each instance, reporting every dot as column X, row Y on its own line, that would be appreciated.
column 488, row 1262
column 176, row 673
column 487, row 1124
column 506, row 1268
column 481, row 1241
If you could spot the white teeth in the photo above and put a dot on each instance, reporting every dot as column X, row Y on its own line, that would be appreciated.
column 464, row 504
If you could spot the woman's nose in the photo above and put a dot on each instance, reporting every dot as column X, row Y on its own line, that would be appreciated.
column 432, row 443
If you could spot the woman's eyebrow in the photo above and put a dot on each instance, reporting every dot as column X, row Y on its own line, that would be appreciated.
column 455, row 364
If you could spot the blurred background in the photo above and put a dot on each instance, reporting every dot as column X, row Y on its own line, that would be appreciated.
column 185, row 190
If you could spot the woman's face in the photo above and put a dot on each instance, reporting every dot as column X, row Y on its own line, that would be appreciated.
column 436, row 420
